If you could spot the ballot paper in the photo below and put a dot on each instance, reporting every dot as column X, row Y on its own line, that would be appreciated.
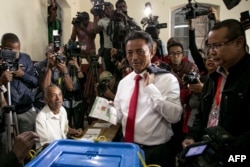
column 102, row 125
column 91, row 134
column 101, row 109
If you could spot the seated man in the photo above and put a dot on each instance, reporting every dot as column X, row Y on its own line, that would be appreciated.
column 51, row 121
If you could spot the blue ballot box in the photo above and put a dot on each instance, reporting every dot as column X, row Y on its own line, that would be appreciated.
column 77, row 153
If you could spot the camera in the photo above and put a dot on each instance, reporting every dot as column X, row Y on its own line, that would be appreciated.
column 77, row 20
column 80, row 16
column 151, row 21
column 72, row 49
column 98, row 6
column 56, row 41
column 102, row 87
column 8, row 58
column 212, row 151
column 57, row 45
column 191, row 78
column 60, row 58
column 192, row 12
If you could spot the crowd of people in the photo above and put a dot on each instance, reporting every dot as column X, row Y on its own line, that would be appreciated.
column 164, row 103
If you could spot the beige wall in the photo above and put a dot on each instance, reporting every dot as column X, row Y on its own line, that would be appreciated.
column 28, row 18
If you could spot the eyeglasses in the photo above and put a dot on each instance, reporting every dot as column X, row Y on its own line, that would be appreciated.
column 217, row 46
column 175, row 53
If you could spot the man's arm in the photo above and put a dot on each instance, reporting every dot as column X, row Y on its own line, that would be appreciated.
column 73, row 34
column 96, row 27
column 26, row 75
column 193, row 48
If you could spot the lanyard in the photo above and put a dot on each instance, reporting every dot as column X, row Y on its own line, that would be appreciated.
column 217, row 95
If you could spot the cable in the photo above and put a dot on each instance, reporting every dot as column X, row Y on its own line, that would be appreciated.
column 144, row 163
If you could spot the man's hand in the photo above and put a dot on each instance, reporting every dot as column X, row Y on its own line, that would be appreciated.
column 62, row 67
column 148, row 78
column 19, row 73
column 214, row 12
column 197, row 87
column 73, row 62
column 187, row 142
column 6, row 77
column 51, row 60
column 23, row 143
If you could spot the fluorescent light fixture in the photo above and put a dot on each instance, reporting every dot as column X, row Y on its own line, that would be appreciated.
column 181, row 26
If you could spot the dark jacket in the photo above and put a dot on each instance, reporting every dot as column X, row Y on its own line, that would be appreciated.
column 22, row 95
column 234, row 105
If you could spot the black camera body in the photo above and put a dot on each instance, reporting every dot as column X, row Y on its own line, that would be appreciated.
column 98, row 7
column 8, row 58
column 212, row 151
column 60, row 58
column 102, row 87
column 192, row 12
column 57, row 45
column 153, row 26
column 72, row 49
column 76, row 21
column 191, row 78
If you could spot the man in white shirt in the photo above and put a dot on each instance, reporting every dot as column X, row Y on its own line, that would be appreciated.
column 158, row 102
column 51, row 121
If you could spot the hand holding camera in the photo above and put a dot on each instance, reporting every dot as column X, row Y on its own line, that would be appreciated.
column 6, row 77
column 19, row 73
column 196, row 87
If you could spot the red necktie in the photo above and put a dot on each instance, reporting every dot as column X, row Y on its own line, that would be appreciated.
column 129, row 133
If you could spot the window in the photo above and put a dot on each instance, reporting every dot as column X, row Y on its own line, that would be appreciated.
column 180, row 28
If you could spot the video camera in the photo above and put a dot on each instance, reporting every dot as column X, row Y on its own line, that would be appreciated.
column 98, row 6
column 152, row 22
column 212, row 151
column 8, row 58
column 74, row 49
column 193, row 13
column 76, row 21
column 57, row 45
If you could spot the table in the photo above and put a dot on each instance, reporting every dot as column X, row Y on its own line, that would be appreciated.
column 109, row 133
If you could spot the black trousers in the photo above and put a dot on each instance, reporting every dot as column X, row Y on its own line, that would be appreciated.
column 158, row 155
column 76, row 115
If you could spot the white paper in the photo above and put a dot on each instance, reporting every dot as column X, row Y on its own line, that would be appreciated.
column 91, row 134
column 102, row 125
column 101, row 109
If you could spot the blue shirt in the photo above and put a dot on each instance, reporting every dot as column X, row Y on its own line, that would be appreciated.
column 22, row 95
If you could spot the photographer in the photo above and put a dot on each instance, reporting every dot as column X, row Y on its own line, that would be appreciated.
column 180, row 67
column 74, row 101
column 197, row 54
column 122, row 9
column 107, row 85
column 52, row 70
column 53, row 22
column 122, row 67
column 22, row 82
column 83, row 30
column 225, row 96
column 101, row 24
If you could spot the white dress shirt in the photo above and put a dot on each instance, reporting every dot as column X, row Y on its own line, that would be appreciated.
column 158, row 106
column 50, row 127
